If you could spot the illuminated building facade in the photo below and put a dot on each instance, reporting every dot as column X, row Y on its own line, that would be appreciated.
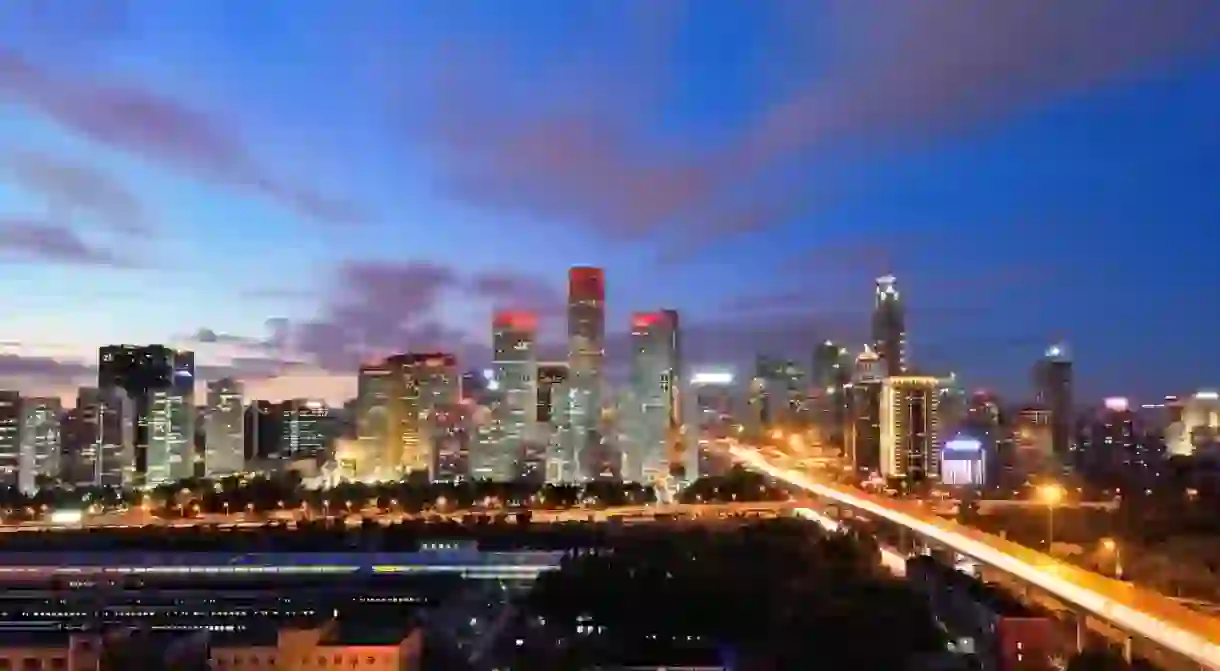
column 449, row 433
column 655, row 409
column 910, row 428
column 586, row 354
column 1197, row 426
column 863, row 448
column 147, row 373
column 963, row 463
column 303, row 428
column 515, row 413
column 10, row 437
column 889, row 326
column 376, row 390
column 1053, row 384
column 100, row 443
column 712, row 419
column 779, row 397
column 433, row 386
column 830, row 376
column 552, row 424
column 41, row 442
column 225, row 446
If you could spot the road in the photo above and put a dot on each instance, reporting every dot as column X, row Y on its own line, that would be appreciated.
column 542, row 516
column 1130, row 608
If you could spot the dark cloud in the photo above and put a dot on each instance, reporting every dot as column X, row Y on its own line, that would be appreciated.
column 880, row 71
column 512, row 290
column 142, row 122
column 69, row 187
column 36, row 240
column 44, row 369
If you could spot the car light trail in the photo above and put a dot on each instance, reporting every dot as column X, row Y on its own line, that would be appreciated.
column 1183, row 637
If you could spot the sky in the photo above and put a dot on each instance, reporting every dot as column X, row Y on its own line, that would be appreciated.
column 291, row 187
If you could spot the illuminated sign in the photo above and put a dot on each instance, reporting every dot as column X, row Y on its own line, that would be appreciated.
column 1207, row 395
column 1117, row 403
column 712, row 378
column 643, row 320
column 489, row 374
column 963, row 445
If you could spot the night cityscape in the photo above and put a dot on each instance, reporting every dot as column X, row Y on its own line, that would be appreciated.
column 731, row 335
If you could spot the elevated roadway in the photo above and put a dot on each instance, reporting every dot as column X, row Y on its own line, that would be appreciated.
column 1137, row 611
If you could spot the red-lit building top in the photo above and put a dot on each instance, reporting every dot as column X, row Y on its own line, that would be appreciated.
column 516, row 320
column 429, row 359
column 587, row 283
column 647, row 320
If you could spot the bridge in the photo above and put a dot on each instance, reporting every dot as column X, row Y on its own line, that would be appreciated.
column 1133, row 610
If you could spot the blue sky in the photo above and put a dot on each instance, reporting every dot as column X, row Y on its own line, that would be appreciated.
column 381, row 175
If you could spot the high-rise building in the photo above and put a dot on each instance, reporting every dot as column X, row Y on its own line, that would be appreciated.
column 376, row 392
column 513, row 418
column 889, row 326
column 910, row 428
column 40, row 442
column 656, row 411
column 779, row 397
column 552, row 423
column 263, row 430
column 434, row 393
column 303, row 428
column 225, row 446
column 1053, row 382
column 10, row 437
column 711, row 420
column 160, row 381
column 830, row 375
column 586, row 354
column 100, row 447
column 1196, row 425
column 863, row 449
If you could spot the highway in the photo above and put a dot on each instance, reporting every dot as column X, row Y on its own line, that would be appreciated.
column 291, row 517
column 1133, row 609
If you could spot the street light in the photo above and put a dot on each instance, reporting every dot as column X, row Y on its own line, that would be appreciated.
column 1052, row 495
column 1111, row 547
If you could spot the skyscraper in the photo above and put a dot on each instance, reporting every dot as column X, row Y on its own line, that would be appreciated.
column 375, row 393
column 889, row 326
column 779, row 396
column 586, row 352
column 910, row 428
column 162, row 415
column 436, row 395
column 830, row 375
column 656, row 417
column 711, row 420
column 40, row 441
column 514, row 377
column 225, row 452
column 101, row 448
column 863, row 448
column 552, row 422
column 303, row 428
column 10, row 437
column 1053, row 382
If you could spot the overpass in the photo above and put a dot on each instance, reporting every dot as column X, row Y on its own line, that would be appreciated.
column 1129, row 608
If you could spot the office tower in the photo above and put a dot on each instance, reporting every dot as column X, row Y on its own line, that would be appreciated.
column 830, row 375
column 263, row 430
column 654, row 408
column 779, row 397
column 40, row 442
column 224, row 430
column 434, row 393
column 449, row 433
column 586, row 352
column 552, row 423
column 302, row 429
column 910, row 428
column 1196, row 426
column 964, row 462
column 1112, row 443
column 156, row 384
column 375, row 393
column 99, row 444
column 712, row 420
column 514, row 370
column 889, row 326
column 10, row 437
column 863, row 448
column 1053, row 382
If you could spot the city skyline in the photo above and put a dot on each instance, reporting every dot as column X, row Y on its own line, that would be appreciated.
column 301, row 204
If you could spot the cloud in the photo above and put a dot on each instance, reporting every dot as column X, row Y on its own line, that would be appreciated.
column 69, row 187
column 44, row 369
column 38, row 240
column 513, row 290
column 142, row 122
column 509, row 134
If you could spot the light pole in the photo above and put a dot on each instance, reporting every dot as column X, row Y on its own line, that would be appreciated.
column 1052, row 495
